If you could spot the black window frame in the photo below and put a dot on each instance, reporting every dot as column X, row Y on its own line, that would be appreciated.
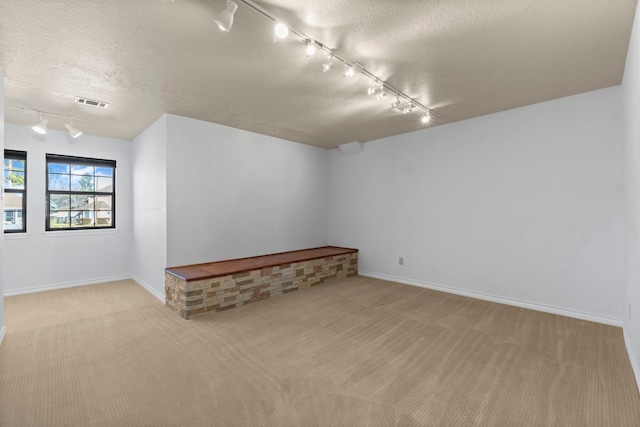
column 17, row 155
column 79, row 161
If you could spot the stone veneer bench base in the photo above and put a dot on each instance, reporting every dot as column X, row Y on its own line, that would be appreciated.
column 194, row 290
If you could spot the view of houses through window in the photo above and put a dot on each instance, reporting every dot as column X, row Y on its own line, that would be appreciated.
column 15, row 191
column 80, row 193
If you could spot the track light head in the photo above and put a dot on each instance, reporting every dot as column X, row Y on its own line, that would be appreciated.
column 328, row 65
column 351, row 70
column 408, row 108
column 281, row 30
column 41, row 127
column 395, row 105
column 377, row 89
column 311, row 47
column 225, row 18
column 426, row 118
column 74, row 132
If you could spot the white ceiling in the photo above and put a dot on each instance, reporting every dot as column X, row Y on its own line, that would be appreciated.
column 462, row 58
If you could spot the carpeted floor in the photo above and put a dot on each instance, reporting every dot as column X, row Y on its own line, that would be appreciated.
column 354, row 352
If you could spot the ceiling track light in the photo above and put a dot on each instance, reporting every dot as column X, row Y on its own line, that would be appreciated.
column 378, row 90
column 348, row 70
column 408, row 108
column 329, row 64
column 426, row 118
column 375, row 88
column 225, row 18
column 351, row 68
column 74, row 132
column 405, row 108
column 281, row 30
column 395, row 105
column 41, row 127
column 310, row 47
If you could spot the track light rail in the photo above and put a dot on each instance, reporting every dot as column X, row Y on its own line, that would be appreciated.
column 44, row 113
column 332, row 54
column 41, row 126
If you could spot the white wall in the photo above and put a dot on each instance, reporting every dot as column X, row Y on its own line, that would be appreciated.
column 40, row 260
column 149, row 242
column 2, row 328
column 631, row 308
column 233, row 193
column 523, row 205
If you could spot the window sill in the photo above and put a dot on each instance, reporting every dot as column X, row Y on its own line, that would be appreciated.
column 70, row 233
column 15, row 236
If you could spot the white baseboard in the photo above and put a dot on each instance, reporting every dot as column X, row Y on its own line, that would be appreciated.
column 2, row 333
column 492, row 298
column 8, row 293
column 632, row 358
column 149, row 288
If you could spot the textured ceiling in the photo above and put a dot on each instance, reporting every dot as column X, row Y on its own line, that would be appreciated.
column 462, row 58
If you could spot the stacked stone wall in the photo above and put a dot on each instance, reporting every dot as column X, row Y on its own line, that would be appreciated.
column 199, row 297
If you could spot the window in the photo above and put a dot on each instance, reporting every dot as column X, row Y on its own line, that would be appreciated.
column 15, row 191
column 81, row 193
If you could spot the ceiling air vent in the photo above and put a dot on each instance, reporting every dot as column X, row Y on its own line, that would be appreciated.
column 92, row 102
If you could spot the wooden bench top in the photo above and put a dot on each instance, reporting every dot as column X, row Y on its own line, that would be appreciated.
column 224, row 268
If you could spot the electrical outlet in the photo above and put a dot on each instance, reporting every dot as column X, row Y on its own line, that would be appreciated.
column 401, row 261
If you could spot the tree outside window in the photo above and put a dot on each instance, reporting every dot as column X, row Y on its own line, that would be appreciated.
column 80, row 193
column 15, row 191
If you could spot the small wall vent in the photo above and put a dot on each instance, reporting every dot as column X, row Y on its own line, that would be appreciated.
column 92, row 102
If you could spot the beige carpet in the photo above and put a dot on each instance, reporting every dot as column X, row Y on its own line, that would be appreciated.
column 355, row 352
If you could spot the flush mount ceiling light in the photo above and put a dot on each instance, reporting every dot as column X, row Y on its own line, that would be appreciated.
column 351, row 68
column 41, row 127
column 225, row 18
column 74, row 132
